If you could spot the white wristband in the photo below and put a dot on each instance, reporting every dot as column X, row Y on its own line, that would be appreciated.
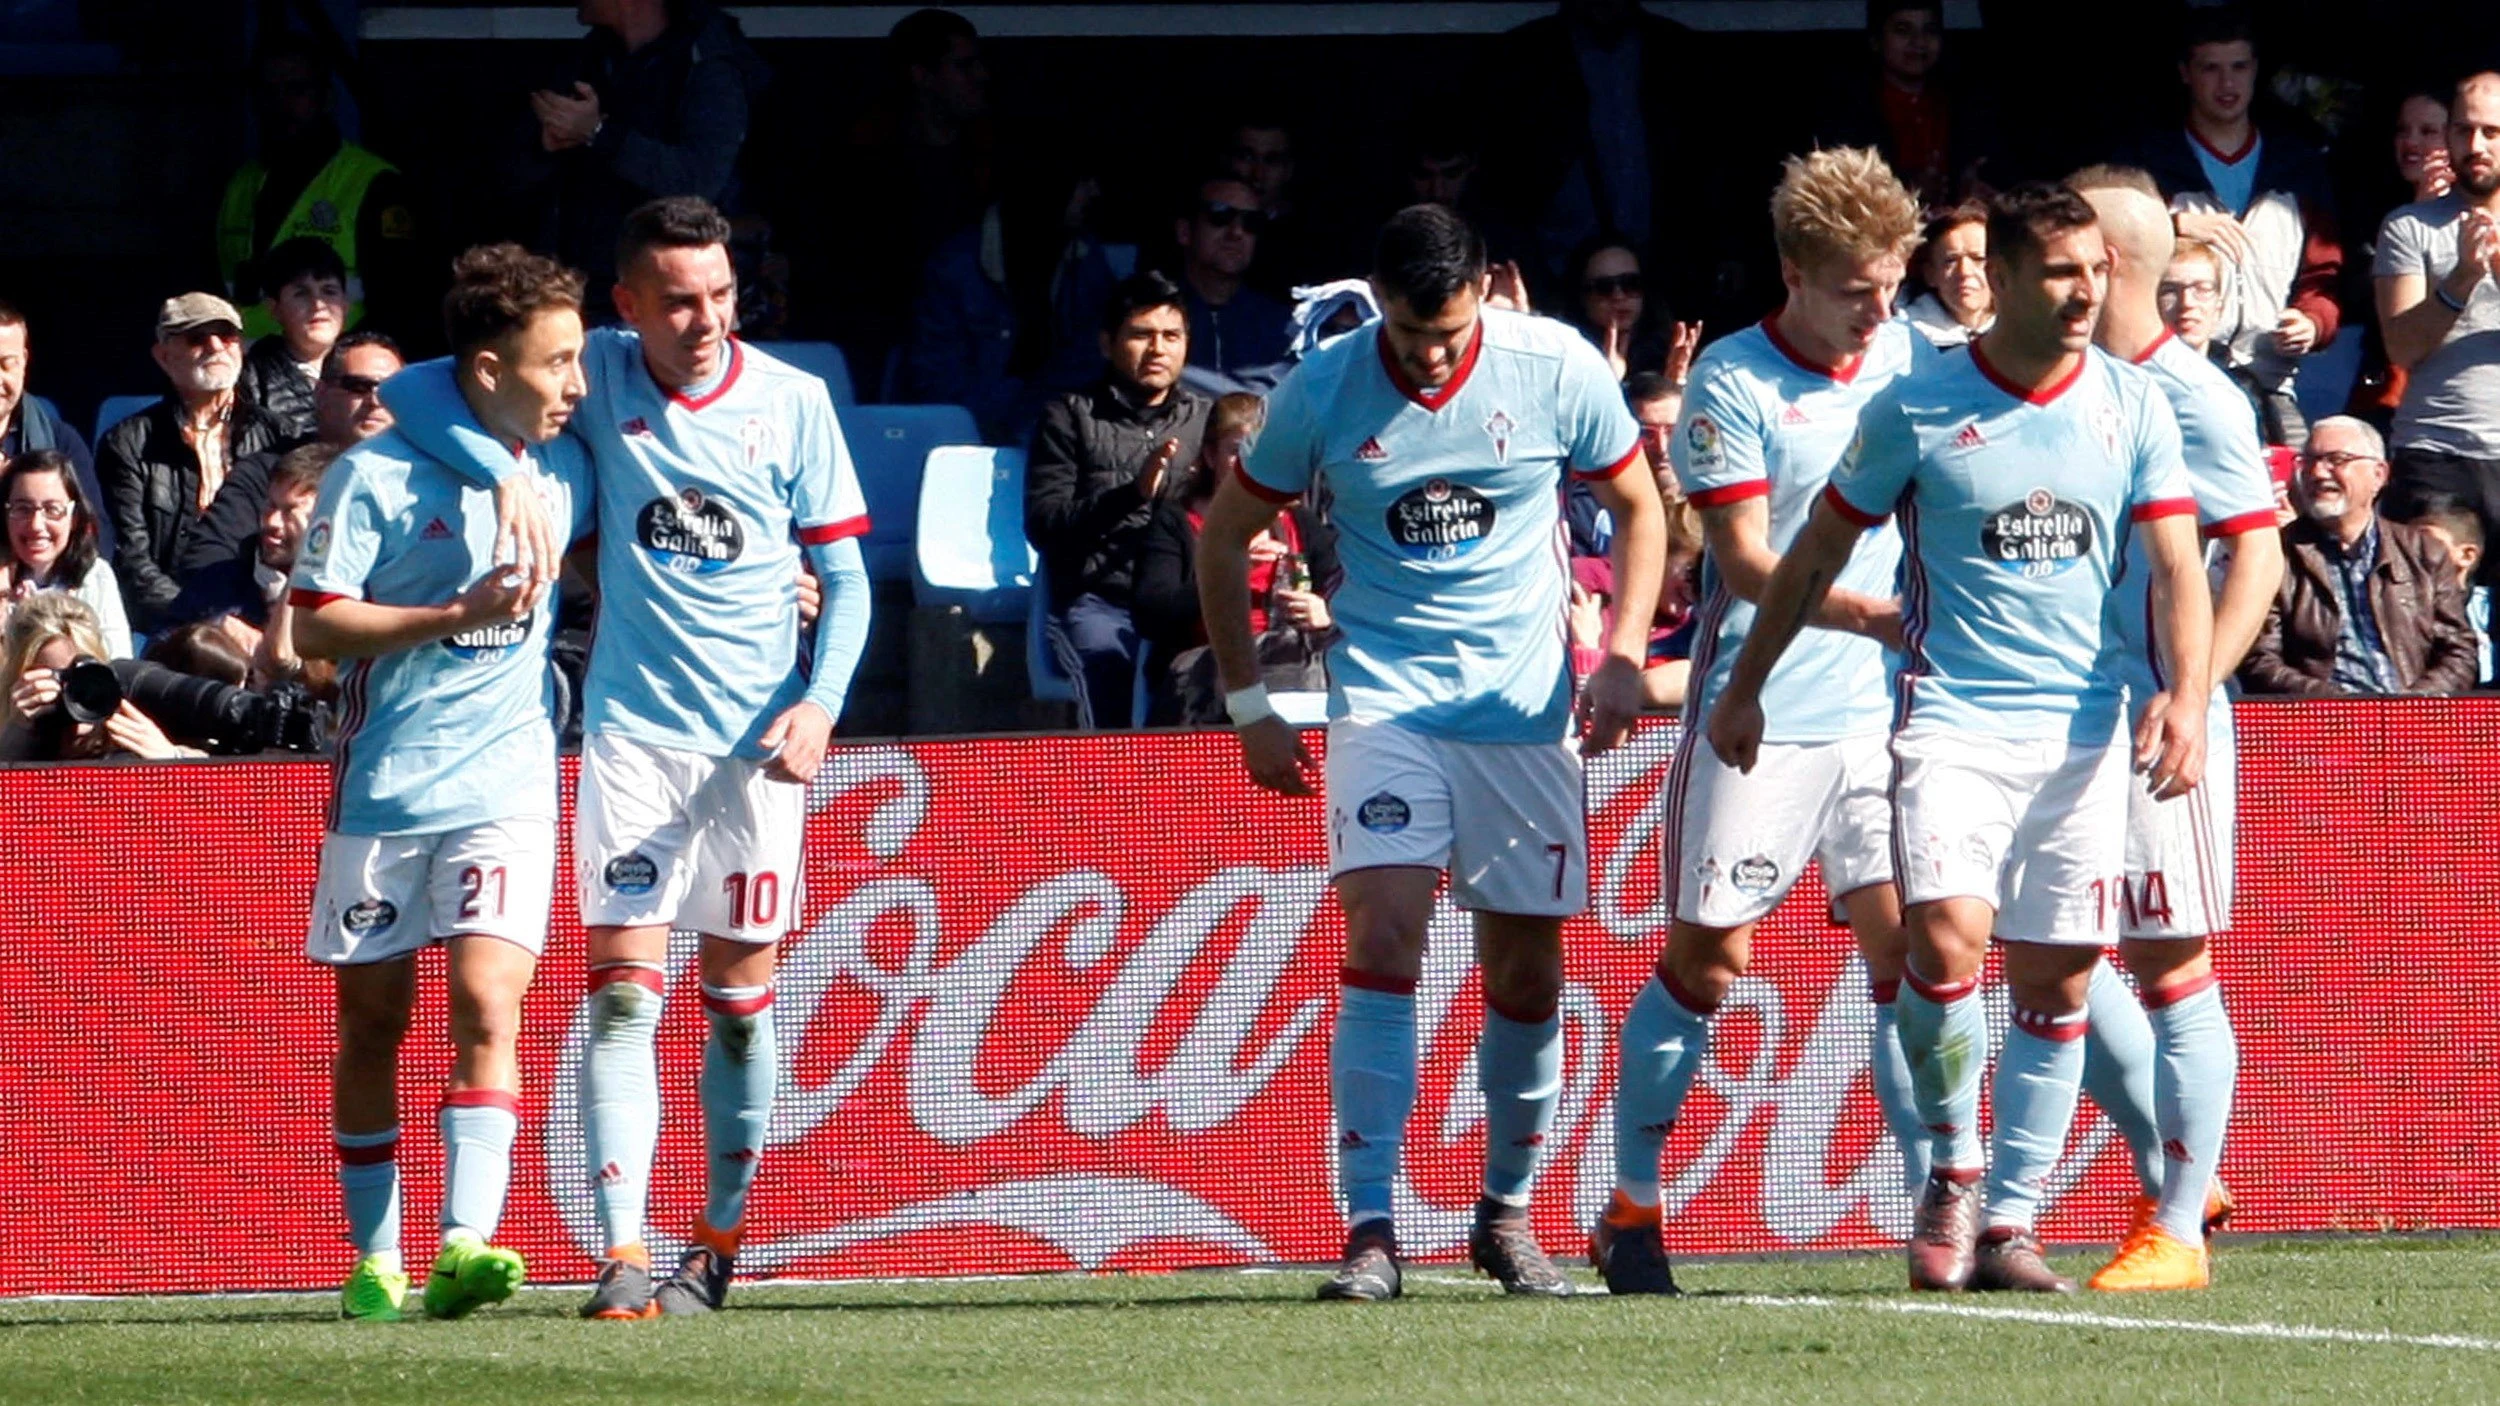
column 1248, row 705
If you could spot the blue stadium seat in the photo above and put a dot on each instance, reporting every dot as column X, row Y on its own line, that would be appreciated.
column 968, row 546
column 890, row 445
column 117, row 408
column 823, row 359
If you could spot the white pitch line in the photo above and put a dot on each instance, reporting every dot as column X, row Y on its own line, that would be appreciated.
column 2278, row 1332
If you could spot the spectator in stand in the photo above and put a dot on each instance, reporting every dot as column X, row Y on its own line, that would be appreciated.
column 2265, row 202
column 1610, row 304
column 1009, row 308
column 1100, row 459
column 311, row 183
column 2422, row 174
column 203, row 650
column 1939, row 142
column 1657, row 402
column 927, row 151
column 1292, row 566
column 2439, row 311
column 1668, row 671
column 48, row 632
column 2368, row 605
column 29, row 423
column 1233, row 327
column 246, row 594
column 163, row 466
column 661, row 95
column 1295, row 247
column 54, row 543
column 2190, row 295
column 308, row 299
column 1442, row 164
column 1954, row 304
column 347, row 405
column 2459, row 532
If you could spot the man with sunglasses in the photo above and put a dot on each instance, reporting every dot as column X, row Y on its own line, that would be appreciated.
column 1233, row 327
column 347, row 404
column 163, row 467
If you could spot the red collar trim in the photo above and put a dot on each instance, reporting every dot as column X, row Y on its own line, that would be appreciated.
column 2147, row 354
column 1437, row 396
column 2029, row 395
column 737, row 363
column 2227, row 158
column 1844, row 372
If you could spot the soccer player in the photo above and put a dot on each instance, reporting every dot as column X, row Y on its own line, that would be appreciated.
column 442, row 820
column 2014, row 467
column 1771, row 410
column 2179, row 852
column 1439, row 440
column 715, row 467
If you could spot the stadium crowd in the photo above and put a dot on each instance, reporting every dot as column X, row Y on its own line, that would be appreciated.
column 2308, row 229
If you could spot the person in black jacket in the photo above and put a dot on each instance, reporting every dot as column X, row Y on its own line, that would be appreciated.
column 1100, row 458
column 308, row 299
column 1292, row 566
column 162, row 467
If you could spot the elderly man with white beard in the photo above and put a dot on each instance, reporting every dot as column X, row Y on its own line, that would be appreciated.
column 161, row 468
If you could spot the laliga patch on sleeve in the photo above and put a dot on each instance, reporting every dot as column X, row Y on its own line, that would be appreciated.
column 317, row 543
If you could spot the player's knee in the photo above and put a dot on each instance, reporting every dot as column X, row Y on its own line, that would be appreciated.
column 485, row 1023
column 1705, row 961
column 736, row 1034
column 371, row 1031
column 623, row 1008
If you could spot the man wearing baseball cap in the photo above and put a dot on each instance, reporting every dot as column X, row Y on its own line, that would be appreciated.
column 162, row 466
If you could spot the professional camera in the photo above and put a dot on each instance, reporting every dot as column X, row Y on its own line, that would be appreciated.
column 218, row 716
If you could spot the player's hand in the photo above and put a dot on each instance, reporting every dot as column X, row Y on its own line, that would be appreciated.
column 811, row 593
column 2294, row 333
column 1307, row 610
column 1735, row 729
column 2217, row 229
column 566, row 120
column 2170, row 745
column 1505, row 287
column 137, row 733
column 797, row 740
column 525, row 538
column 1682, row 346
column 1273, row 754
column 36, row 692
column 501, row 594
column 1611, row 343
column 1610, row 703
column 1150, row 478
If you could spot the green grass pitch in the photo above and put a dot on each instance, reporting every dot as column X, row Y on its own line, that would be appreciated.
column 2355, row 1321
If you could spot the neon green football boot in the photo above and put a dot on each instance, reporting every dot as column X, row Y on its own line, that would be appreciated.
column 372, row 1293
column 470, row 1274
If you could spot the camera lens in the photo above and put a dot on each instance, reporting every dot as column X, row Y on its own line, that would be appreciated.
column 90, row 690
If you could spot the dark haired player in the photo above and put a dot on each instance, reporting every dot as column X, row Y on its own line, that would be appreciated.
column 1438, row 441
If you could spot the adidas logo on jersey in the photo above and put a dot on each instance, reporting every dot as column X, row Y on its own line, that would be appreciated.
column 436, row 531
column 1970, row 437
column 1371, row 452
column 1791, row 415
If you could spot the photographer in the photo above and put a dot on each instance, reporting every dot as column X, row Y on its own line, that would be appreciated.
column 50, row 636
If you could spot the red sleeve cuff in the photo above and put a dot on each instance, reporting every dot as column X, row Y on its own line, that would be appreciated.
column 2245, row 522
column 303, row 599
column 1847, row 509
column 1618, row 466
column 1727, row 493
column 833, row 531
column 2161, row 508
column 1258, row 489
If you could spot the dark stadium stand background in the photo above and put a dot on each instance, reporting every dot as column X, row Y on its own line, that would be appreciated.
column 120, row 120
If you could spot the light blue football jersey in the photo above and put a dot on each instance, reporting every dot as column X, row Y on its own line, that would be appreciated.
column 2012, row 503
column 1447, row 508
column 459, row 731
column 2226, row 469
column 1762, row 422
column 705, row 501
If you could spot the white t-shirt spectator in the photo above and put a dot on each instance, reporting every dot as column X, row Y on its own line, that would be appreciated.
column 2452, row 402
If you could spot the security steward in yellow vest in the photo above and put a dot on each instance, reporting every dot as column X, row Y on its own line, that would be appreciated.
column 312, row 182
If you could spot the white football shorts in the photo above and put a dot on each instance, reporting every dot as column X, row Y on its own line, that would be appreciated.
column 2179, row 851
column 1507, row 820
column 1736, row 841
column 677, row 839
column 383, row 897
column 2035, row 827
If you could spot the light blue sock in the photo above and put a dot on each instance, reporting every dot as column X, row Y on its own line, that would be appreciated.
column 741, row 1065
column 1660, row 1050
column 2039, row 1077
column 477, row 1127
column 1371, row 1077
column 620, row 1097
column 2200, row 1068
column 1891, row 1072
column 1944, row 1039
column 2118, row 1070
column 369, row 1184
column 1519, row 1069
